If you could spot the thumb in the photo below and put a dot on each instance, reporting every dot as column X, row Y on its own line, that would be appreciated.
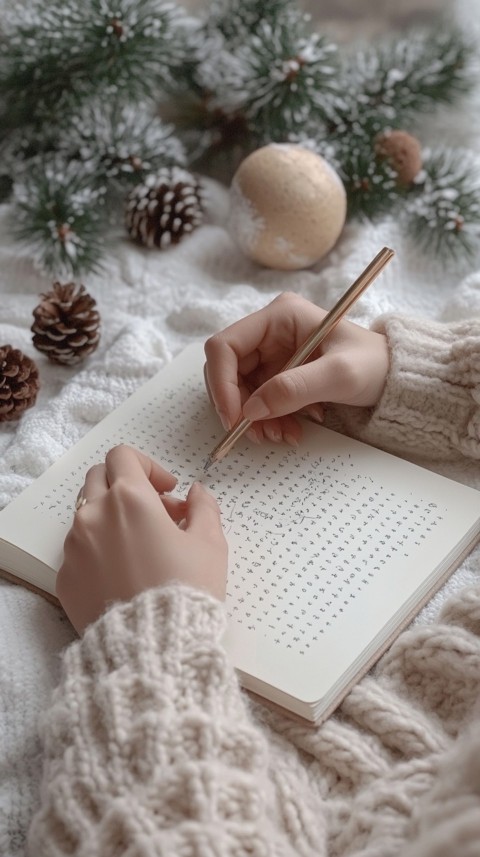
column 294, row 389
column 202, row 512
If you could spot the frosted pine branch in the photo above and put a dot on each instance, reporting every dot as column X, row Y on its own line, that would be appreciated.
column 61, row 53
column 58, row 213
column 121, row 144
column 236, row 20
column 444, row 213
column 387, row 84
column 277, row 79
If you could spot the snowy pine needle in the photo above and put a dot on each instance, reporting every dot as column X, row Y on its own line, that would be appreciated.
column 120, row 144
column 443, row 215
column 389, row 83
column 58, row 214
column 276, row 78
column 60, row 53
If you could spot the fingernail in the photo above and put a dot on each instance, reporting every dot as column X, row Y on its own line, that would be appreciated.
column 255, row 409
column 315, row 412
column 272, row 433
column 252, row 435
column 291, row 440
column 225, row 421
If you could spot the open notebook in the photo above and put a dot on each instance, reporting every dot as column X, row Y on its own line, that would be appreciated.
column 333, row 547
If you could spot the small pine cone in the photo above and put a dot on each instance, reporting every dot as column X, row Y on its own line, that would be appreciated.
column 19, row 383
column 403, row 152
column 164, row 208
column 67, row 325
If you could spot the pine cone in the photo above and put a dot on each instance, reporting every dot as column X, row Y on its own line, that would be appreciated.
column 403, row 152
column 164, row 208
column 18, row 383
column 66, row 326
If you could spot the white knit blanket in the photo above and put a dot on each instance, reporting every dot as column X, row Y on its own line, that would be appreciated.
column 152, row 304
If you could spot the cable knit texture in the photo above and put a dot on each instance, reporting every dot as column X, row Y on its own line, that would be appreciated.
column 152, row 749
column 147, row 748
column 431, row 362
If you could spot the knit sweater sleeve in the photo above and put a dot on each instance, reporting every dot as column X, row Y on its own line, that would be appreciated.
column 431, row 402
column 149, row 746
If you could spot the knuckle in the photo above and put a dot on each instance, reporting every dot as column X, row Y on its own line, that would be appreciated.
column 94, row 469
column 290, row 387
column 292, row 301
column 111, row 455
column 122, row 491
column 346, row 371
column 116, row 451
column 214, row 345
column 285, row 297
column 78, row 530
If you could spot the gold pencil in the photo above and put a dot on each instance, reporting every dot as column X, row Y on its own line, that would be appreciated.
column 303, row 353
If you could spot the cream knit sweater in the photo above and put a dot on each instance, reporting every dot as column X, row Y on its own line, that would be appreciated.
column 151, row 748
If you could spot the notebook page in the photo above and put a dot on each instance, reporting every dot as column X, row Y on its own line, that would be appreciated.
column 326, row 542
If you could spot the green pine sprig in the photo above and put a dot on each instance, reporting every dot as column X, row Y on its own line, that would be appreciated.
column 389, row 84
column 59, row 213
column 371, row 184
column 277, row 79
column 443, row 211
column 59, row 54
column 238, row 20
column 120, row 144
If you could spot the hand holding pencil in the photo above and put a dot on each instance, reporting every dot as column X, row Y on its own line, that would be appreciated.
column 259, row 373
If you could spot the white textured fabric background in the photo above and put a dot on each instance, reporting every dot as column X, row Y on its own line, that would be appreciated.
column 152, row 304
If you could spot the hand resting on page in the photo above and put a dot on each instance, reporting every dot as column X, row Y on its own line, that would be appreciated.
column 126, row 538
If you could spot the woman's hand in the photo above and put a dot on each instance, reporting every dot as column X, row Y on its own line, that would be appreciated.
column 126, row 537
column 244, row 363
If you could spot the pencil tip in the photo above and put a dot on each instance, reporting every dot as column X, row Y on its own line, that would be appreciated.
column 208, row 463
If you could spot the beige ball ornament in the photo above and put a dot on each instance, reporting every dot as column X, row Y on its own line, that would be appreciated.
column 287, row 207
